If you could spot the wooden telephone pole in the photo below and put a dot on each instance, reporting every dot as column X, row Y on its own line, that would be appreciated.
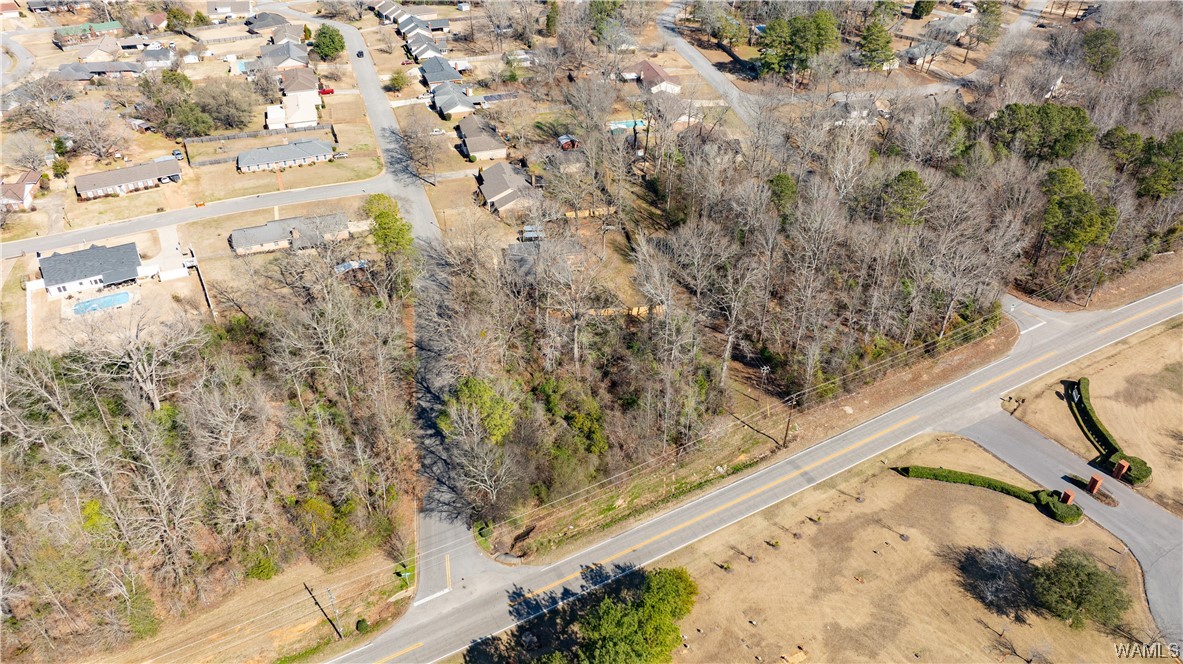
column 323, row 612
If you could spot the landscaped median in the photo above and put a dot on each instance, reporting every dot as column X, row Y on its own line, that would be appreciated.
column 1111, row 453
column 1049, row 500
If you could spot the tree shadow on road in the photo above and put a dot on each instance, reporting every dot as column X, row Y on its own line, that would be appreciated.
column 547, row 621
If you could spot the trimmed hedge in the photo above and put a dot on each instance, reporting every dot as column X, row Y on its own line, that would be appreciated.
column 1090, row 424
column 1139, row 471
column 1050, row 500
column 958, row 477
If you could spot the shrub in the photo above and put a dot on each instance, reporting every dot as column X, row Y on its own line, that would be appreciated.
column 958, row 477
column 472, row 158
column 362, row 626
column 1139, row 472
column 1090, row 424
column 263, row 567
column 1050, row 500
column 1072, row 587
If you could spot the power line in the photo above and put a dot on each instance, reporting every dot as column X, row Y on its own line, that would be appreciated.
column 957, row 336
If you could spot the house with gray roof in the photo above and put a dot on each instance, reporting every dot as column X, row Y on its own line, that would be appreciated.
column 298, row 233
column 223, row 9
column 437, row 70
column 280, row 57
column 296, row 153
column 126, row 180
column 158, row 58
column 389, row 11
column 502, row 188
column 264, row 22
column 87, row 71
column 422, row 46
column 89, row 269
column 288, row 33
column 450, row 99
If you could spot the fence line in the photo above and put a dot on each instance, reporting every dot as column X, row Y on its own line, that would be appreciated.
column 260, row 132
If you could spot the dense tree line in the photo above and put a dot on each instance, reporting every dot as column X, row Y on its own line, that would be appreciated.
column 157, row 464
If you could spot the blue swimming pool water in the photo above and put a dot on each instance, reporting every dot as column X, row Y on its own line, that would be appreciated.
column 626, row 124
column 104, row 302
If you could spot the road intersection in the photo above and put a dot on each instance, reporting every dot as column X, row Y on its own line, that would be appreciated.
column 505, row 596
column 463, row 596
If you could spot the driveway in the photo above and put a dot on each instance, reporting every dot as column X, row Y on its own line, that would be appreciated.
column 1153, row 535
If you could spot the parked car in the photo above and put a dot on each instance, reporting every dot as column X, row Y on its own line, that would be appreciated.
column 408, row 62
column 326, row 91
column 438, row 132
column 178, row 155
column 341, row 155
column 361, row 54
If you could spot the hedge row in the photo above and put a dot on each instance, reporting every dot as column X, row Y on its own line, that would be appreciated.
column 1086, row 418
column 958, row 477
column 1050, row 500
column 1090, row 424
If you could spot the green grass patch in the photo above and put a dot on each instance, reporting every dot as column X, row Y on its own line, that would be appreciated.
column 1050, row 501
column 483, row 530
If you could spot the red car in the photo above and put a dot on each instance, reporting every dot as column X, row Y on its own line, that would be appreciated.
column 408, row 62
column 325, row 91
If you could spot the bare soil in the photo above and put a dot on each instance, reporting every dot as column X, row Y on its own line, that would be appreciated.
column 266, row 619
column 1147, row 278
column 1136, row 387
column 849, row 588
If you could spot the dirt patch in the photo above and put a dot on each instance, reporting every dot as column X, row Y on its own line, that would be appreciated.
column 268, row 618
column 857, row 591
column 1136, row 386
column 1147, row 278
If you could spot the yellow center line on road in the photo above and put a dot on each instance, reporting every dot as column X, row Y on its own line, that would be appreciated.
column 1012, row 372
column 730, row 504
column 1137, row 316
column 448, row 570
column 398, row 654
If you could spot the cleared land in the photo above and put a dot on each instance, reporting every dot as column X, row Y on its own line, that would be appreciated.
column 1136, row 388
column 845, row 586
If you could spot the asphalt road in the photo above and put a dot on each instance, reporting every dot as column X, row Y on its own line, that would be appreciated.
column 435, row 629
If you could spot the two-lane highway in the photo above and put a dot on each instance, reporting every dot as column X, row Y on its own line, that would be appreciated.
column 435, row 630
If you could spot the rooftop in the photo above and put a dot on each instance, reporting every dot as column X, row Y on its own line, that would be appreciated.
column 150, row 170
column 437, row 70
column 114, row 264
column 308, row 231
column 277, row 153
column 85, row 28
column 297, row 80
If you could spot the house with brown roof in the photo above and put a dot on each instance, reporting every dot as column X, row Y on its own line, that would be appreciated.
column 653, row 78
column 18, row 195
column 157, row 20
column 299, row 80
column 104, row 50
column 9, row 10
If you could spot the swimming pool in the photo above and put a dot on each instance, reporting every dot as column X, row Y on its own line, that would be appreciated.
column 104, row 302
column 626, row 124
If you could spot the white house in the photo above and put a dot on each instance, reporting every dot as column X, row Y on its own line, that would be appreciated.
column 89, row 269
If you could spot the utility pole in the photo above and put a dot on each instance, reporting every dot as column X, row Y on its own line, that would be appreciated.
column 788, row 421
column 322, row 611
column 333, row 601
